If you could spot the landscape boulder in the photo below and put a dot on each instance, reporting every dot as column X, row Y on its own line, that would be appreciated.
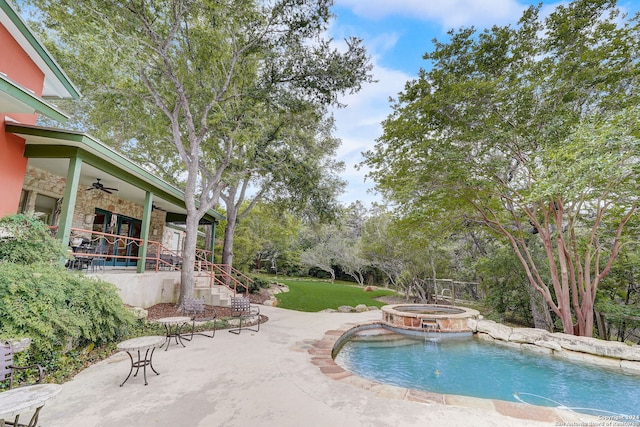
column 496, row 330
column 361, row 308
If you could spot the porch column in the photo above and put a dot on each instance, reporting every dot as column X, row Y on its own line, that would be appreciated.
column 65, row 221
column 144, row 232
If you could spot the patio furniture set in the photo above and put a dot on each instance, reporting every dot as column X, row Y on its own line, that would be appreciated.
column 88, row 256
column 17, row 401
column 196, row 311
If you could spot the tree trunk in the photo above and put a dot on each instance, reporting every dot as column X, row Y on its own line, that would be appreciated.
column 602, row 328
column 209, row 238
column 188, row 259
column 435, row 282
column 274, row 264
column 227, row 245
column 539, row 310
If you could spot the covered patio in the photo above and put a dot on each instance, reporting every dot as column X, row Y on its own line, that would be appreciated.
column 95, row 191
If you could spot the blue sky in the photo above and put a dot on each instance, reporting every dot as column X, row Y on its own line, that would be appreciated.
column 397, row 33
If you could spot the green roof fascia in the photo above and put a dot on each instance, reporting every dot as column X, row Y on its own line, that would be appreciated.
column 40, row 49
column 182, row 218
column 101, row 156
column 107, row 165
column 25, row 96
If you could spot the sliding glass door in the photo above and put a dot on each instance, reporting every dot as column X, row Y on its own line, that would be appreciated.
column 122, row 228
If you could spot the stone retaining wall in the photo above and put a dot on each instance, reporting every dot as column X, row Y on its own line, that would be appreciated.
column 584, row 349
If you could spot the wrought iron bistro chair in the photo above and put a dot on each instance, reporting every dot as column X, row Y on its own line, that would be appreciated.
column 242, row 309
column 199, row 312
column 80, row 259
column 7, row 367
column 169, row 262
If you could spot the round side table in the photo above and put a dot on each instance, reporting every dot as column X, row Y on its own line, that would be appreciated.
column 172, row 325
column 21, row 400
column 141, row 344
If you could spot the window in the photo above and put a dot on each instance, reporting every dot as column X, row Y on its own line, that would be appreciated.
column 45, row 208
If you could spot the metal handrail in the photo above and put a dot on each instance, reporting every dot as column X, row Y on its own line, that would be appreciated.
column 228, row 273
column 160, row 256
column 95, row 238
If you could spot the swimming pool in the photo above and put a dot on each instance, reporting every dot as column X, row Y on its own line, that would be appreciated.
column 473, row 367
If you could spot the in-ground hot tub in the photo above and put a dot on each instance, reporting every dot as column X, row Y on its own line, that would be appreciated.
column 428, row 318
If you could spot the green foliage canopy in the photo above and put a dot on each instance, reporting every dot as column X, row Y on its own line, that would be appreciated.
column 197, row 81
column 527, row 131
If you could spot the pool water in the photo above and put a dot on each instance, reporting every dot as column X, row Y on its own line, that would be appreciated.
column 474, row 367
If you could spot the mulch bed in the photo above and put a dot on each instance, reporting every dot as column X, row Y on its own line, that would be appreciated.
column 170, row 309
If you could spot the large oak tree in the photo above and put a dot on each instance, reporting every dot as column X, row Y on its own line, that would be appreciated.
column 187, row 82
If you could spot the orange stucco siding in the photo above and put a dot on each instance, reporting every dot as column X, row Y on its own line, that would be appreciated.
column 13, row 166
column 17, row 65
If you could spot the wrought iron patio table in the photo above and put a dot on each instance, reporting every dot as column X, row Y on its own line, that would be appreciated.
column 19, row 400
column 172, row 327
column 141, row 344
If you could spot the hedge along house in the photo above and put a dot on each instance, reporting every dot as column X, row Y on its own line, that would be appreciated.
column 78, row 185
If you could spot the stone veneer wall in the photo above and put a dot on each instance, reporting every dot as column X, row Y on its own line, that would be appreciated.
column 585, row 349
column 38, row 181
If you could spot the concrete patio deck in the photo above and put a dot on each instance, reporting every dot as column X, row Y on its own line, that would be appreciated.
column 271, row 378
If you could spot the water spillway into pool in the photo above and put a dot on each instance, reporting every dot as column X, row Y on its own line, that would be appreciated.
column 460, row 363
column 428, row 318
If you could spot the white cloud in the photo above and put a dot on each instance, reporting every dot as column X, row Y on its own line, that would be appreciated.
column 450, row 13
column 359, row 124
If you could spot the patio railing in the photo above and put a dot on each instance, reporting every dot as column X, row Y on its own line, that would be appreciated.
column 222, row 274
column 123, row 251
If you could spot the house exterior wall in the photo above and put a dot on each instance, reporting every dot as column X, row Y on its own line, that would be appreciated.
column 17, row 66
column 13, row 166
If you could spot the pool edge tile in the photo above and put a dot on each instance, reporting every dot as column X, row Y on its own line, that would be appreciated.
column 527, row 412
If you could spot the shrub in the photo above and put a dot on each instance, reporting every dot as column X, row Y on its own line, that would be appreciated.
column 258, row 283
column 255, row 286
column 59, row 310
column 26, row 240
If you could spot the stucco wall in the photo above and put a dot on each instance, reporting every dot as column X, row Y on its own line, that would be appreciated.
column 18, row 67
column 12, row 170
column 146, row 289
column 16, row 64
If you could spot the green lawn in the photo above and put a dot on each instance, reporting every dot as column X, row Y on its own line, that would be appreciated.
column 317, row 295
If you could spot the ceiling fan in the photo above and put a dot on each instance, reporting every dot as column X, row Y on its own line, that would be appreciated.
column 100, row 186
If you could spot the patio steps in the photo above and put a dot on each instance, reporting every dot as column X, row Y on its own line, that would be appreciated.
column 217, row 295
